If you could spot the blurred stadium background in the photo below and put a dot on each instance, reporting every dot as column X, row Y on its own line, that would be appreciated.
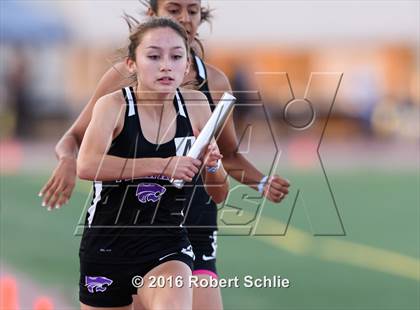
column 353, row 238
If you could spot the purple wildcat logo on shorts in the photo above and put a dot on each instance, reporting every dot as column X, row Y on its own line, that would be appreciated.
column 97, row 284
column 149, row 192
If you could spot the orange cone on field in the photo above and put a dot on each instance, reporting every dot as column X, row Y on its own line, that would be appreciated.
column 8, row 293
column 43, row 303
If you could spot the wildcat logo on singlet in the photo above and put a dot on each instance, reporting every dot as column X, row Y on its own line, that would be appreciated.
column 97, row 284
column 149, row 192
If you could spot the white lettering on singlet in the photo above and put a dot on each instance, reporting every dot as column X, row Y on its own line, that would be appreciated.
column 153, row 177
column 183, row 145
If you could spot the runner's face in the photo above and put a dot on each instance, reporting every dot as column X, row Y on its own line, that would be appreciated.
column 186, row 12
column 161, row 60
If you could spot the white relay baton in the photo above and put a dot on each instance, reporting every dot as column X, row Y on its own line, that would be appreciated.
column 217, row 119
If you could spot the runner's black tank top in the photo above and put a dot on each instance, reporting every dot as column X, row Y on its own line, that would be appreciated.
column 133, row 220
column 202, row 210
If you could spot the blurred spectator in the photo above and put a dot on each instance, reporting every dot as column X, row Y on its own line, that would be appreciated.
column 365, row 95
column 396, row 118
column 16, row 80
column 240, row 87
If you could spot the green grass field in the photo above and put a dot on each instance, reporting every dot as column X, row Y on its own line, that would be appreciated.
column 374, row 266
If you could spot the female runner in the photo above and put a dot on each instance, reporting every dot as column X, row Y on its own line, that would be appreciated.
column 134, row 224
column 210, row 80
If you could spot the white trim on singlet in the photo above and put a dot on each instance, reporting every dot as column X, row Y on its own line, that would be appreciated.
column 180, row 107
column 130, row 98
column 200, row 66
column 96, row 199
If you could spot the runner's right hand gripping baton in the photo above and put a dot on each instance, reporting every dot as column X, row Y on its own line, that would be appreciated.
column 217, row 119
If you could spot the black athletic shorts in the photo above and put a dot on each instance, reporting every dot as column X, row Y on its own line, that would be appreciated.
column 111, row 284
column 204, row 243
